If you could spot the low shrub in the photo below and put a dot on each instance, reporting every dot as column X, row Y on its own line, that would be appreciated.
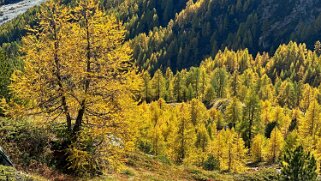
column 128, row 172
column 164, row 159
column 211, row 163
column 268, row 174
column 27, row 142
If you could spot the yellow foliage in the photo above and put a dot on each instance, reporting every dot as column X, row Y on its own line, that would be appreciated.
column 230, row 150
column 282, row 118
column 310, row 125
column 78, row 67
column 266, row 109
column 275, row 145
column 185, row 135
column 258, row 148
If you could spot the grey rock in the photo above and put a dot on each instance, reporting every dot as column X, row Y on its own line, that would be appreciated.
column 4, row 159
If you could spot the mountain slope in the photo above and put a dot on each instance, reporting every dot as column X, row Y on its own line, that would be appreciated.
column 207, row 26
column 141, row 16
column 180, row 34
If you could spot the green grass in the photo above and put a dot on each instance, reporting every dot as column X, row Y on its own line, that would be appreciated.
column 142, row 167
column 11, row 174
column 7, row 173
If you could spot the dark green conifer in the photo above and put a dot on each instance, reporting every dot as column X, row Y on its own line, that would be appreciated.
column 298, row 165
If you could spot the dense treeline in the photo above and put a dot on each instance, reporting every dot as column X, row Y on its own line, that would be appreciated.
column 292, row 66
column 234, row 108
column 139, row 16
column 204, row 27
column 142, row 16
column 8, row 63
column 180, row 34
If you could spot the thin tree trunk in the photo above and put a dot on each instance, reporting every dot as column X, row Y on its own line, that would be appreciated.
column 81, row 112
column 58, row 76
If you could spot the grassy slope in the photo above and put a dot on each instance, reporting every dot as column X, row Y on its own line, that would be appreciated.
column 142, row 167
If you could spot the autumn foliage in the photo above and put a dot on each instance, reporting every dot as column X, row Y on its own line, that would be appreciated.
column 77, row 79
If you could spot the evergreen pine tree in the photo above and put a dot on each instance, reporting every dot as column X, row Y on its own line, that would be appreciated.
column 298, row 166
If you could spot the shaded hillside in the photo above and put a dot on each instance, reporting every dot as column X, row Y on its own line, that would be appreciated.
column 139, row 16
column 180, row 34
column 142, row 16
column 207, row 26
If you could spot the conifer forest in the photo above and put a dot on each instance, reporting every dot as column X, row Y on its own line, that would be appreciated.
column 166, row 90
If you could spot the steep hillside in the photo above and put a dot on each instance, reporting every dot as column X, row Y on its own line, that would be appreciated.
column 183, row 32
column 139, row 16
column 142, row 16
column 207, row 26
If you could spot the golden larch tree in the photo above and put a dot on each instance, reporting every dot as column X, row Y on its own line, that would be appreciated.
column 185, row 135
column 258, row 148
column 230, row 150
column 78, row 67
column 275, row 145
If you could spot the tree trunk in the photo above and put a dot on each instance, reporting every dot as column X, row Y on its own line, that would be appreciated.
column 58, row 76
column 79, row 119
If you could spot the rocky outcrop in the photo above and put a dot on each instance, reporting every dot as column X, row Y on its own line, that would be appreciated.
column 286, row 18
column 4, row 159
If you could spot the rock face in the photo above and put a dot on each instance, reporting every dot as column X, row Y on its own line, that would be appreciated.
column 12, row 10
column 288, row 18
column 4, row 160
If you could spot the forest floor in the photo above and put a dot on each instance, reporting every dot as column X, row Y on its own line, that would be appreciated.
column 142, row 167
